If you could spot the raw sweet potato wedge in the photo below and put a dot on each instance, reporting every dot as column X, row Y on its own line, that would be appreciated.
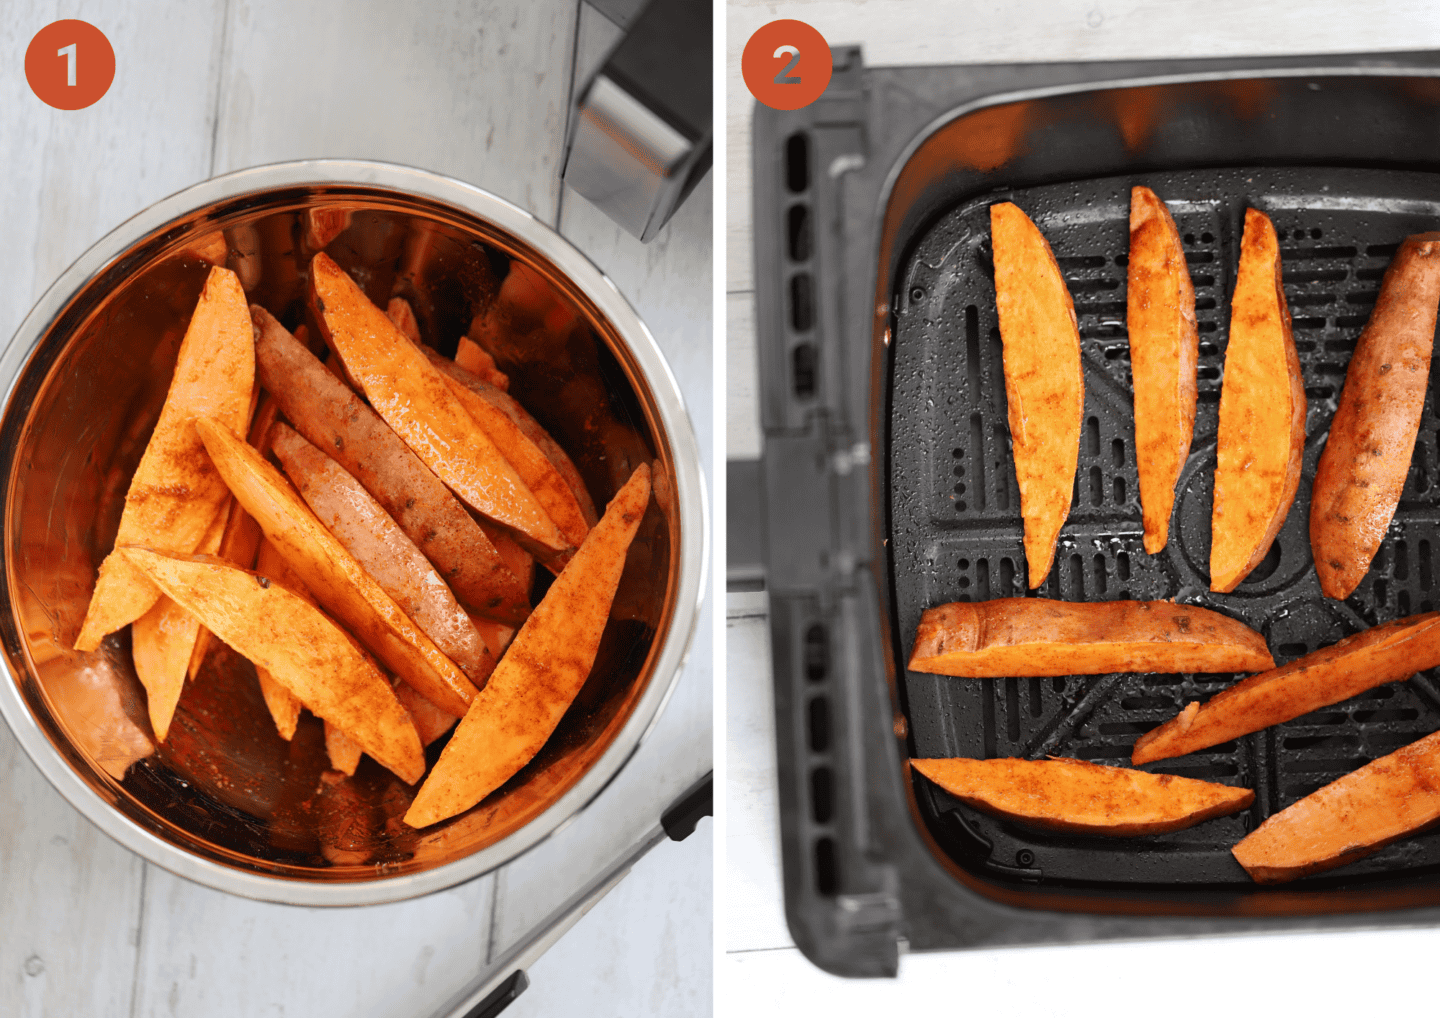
column 1262, row 414
column 1037, row 636
column 473, row 357
column 297, row 644
column 1164, row 353
column 175, row 494
column 1386, row 800
column 382, row 549
column 1387, row 653
column 402, row 316
column 541, row 673
column 1078, row 797
column 533, row 466
column 241, row 541
column 163, row 641
column 1366, row 459
column 519, row 561
column 414, row 399
column 528, row 426
column 1044, row 383
column 332, row 575
column 284, row 705
column 344, row 752
column 430, row 721
column 333, row 418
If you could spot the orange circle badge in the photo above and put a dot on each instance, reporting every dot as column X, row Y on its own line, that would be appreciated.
column 70, row 64
column 786, row 65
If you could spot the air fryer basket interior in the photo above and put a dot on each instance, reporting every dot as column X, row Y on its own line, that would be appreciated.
column 224, row 785
column 875, row 319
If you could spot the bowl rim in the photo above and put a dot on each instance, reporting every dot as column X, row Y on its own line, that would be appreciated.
column 690, row 500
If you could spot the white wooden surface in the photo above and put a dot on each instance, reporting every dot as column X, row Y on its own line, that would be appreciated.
column 762, row 973
column 478, row 91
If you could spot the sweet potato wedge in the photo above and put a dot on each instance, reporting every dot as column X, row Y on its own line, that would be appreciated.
column 241, row 541
column 331, row 573
column 1388, row 799
column 1387, row 653
column 284, row 706
column 1044, row 382
column 414, row 399
column 333, row 418
column 1262, row 414
column 1078, row 797
column 1164, row 353
column 163, row 641
column 176, row 494
column 297, row 644
column 382, row 549
column 533, row 466
column 343, row 751
column 471, row 356
column 1366, row 459
column 528, row 426
column 541, row 673
column 430, row 721
column 1034, row 636
column 519, row 561
column 402, row 316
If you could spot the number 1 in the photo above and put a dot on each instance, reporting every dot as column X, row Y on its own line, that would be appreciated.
column 783, row 78
column 68, row 52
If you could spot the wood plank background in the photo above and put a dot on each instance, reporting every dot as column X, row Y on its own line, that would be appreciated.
column 478, row 91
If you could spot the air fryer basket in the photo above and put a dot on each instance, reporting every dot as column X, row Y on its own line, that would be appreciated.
column 888, row 483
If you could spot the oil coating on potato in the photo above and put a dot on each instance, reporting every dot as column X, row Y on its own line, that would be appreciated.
column 1164, row 352
column 1044, row 383
column 1372, row 435
column 1262, row 414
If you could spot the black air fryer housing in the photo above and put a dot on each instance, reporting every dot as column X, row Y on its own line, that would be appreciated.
column 887, row 482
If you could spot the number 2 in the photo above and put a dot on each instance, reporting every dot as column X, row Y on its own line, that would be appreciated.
column 783, row 78
column 68, row 52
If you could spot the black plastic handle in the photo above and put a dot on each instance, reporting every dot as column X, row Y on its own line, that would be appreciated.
column 698, row 801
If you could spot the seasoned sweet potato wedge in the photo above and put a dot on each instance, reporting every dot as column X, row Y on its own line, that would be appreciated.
column 533, row 466
column 541, row 673
column 1044, row 383
column 414, row 399
column 1372, row 436
column 1386, row 800
column 333, row 418
column 344, row 752
column 284, row 705
column 163, row 641
column 471, row 356
column 332, row 574
column 1388, row 653
column 528, row 426
column 175, row 494
column 430, row 721
column 297, row 644
column 1262, row 414
column 402, row 316
column 1164, row 352
column 382, row 549
column 1035, row 636
column 241, row 541
column 1084, row 798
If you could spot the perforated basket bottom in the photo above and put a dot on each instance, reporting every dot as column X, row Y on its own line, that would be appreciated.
column 955, row 529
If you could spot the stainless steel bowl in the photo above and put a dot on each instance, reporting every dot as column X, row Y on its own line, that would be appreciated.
column 225, row 801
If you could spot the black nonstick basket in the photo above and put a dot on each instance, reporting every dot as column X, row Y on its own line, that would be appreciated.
column 887, row 484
